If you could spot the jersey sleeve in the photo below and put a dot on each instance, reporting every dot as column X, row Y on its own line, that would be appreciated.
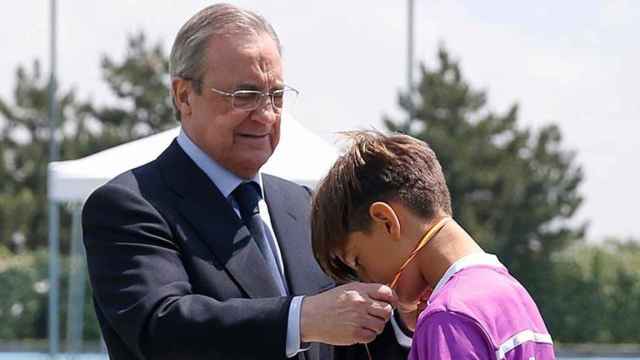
column 449, row 335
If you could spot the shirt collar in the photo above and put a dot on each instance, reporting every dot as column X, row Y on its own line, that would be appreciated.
column 463, row 263
column 223, row 179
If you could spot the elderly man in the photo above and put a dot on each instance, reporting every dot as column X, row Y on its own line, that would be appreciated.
column 197, row 255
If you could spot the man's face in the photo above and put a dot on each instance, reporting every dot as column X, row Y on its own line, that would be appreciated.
column 240, row 141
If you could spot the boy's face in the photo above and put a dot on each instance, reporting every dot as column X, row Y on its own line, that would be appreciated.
column 369, row 254
column 378, row 254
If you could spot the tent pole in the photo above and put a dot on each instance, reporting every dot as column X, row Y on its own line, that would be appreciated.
column 54, row 278
column 54, row 214
column 410, row 35
column 77, row 278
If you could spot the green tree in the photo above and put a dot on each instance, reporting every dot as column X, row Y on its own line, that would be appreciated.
column 514, row 189
column 623, row 313
column 23, row 297
column 140, row 85
column 24, row 131
column 596, row 289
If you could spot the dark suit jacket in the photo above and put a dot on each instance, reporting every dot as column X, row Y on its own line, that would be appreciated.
column 175, row 274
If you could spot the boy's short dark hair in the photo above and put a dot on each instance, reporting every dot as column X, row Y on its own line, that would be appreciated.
column 376, row 167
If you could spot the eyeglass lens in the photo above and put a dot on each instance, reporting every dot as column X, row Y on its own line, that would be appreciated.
column 249, row 100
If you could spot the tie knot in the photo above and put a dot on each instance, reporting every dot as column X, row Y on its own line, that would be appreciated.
column 248, row 195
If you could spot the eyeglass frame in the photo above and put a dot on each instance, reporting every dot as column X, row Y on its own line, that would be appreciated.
column 258, row 103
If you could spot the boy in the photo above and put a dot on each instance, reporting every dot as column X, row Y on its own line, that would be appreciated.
column 383, row 214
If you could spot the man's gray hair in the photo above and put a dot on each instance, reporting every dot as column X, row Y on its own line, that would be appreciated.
column 188, row 55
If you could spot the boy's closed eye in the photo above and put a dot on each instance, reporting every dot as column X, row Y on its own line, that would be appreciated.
column 355, row 264
column 359, row 270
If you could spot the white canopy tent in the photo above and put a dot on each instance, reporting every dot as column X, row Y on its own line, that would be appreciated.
column 301, row 156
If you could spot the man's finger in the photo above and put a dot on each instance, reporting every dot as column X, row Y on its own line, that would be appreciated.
column 363, row 335
column 381, row 310
column 374, row 324
column 382, row 293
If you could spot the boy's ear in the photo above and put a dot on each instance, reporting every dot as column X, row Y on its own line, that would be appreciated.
column 383, row 214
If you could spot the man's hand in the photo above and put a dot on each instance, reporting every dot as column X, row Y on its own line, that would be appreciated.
column 348, row 314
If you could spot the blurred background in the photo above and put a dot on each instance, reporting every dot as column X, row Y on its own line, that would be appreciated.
column 532, row 109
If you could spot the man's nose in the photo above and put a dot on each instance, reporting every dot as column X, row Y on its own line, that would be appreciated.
column 265, row 112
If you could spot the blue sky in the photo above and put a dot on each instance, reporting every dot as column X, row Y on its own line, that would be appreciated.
column 573, row 63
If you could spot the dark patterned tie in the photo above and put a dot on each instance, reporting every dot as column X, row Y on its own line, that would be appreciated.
column 248, row 195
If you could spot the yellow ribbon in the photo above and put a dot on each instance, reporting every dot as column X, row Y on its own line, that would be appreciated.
column 431, row 233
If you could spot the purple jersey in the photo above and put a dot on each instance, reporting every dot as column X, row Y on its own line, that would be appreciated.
column 478, row 311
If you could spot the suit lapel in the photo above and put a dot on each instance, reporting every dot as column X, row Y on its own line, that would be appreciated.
column 217, row 224
column 290, row 220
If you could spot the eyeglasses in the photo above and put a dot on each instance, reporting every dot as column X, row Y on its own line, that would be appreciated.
column 248, row 100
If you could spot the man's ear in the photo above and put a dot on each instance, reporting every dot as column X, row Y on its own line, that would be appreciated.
column 181, row 90
column 383, row 214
